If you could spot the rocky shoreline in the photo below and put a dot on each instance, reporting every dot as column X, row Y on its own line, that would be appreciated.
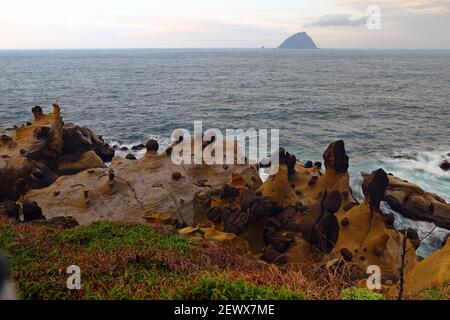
column 56, row 173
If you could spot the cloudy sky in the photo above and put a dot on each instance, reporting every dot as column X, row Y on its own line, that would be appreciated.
column 221, row 24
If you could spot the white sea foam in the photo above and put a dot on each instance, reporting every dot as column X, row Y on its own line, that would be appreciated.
column 422, row 169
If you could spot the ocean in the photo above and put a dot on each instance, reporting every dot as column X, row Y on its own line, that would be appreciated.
column 382, row 103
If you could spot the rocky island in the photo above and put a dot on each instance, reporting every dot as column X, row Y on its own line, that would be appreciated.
column 150, row 229
column 300, row 40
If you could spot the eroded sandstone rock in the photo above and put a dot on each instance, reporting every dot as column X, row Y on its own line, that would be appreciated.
column 38, row 152
column 366, row 236
column 153, row 184
column 414, row 203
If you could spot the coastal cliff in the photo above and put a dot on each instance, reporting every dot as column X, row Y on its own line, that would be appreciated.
column 63, row 189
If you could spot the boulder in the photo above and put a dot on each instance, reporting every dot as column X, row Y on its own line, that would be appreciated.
column 445, row 165
column 319, row 225
column 414, row 203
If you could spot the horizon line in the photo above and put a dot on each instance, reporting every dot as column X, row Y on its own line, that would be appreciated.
column 213, row 48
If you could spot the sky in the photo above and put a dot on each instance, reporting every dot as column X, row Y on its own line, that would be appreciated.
column 50, row 24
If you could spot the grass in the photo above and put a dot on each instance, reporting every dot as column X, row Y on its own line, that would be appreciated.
column 221, row 288
column 136, row 261
column 133, row 261
column 360, row 294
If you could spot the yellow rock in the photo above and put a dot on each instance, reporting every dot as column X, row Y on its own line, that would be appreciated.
column 432, row 272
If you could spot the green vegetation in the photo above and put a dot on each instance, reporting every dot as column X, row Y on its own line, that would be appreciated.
column 221, row 288
column 110, row 236
column 360, row 294
column 132, row 261
column 136, row 261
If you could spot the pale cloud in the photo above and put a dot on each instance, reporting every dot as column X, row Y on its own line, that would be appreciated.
column 399, row 6
column 236, row 23
column 337, row 20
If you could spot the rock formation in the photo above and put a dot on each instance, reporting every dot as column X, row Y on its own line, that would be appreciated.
column 414, row 203
column 32, row 156
column 135, row 190
column 303, row 215
column 300, row 40
column 365, row 234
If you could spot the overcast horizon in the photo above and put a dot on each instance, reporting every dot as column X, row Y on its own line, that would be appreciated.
column 199, row 24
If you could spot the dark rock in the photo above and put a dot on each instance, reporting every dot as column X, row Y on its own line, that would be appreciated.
column 42, row 133
column 176, row 176
column 345, row 222
column 152, row 145
column 445, row 165
column 76, row 141
column 257, row 210
column 308, row 164
column 229, row 192
column 57, row 222
column 280, row 240
column 335, row 157
column 123, row 148
column 318, row 164
column 349, row 206
column 20, row 186
column 37, row 174
column 374, row 187
column 320, row 228
column 5, row 139
column 273, row 256
column 130, row 156
column 388, row 219
column 248, row 198
column 444, row 242
column 413, row 236
column 31, row 211
column 291, row 161
column 138, row 147
column 264, row 207
column 378, row 252
column 37, row 111
column 332, row 201
column 10, row 209
column 104, row 151
column 234, row 220
column 347, row 255
column 312, row 182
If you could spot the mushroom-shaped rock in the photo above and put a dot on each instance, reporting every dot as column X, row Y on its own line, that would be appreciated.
column 152, row 145
column 335, row 157
column 374, row 187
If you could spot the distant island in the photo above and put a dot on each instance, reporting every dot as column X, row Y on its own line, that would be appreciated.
column 300, row 40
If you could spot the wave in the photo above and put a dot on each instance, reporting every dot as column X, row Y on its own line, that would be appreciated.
column 421, row 168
